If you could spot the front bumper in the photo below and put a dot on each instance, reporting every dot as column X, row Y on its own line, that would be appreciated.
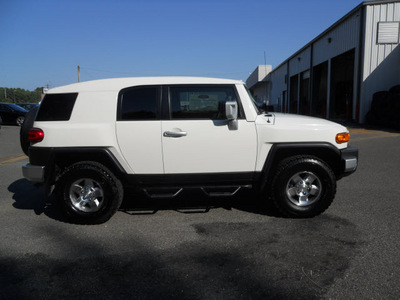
column 349, row 158
column 33, row 172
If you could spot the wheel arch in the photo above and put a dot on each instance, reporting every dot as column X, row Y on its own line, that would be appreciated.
column 57, row 159
column 323, row 151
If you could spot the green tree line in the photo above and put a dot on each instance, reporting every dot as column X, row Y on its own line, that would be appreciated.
column 17, row 95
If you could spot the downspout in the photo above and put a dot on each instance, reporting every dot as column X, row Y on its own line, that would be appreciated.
column 311, row 84
column 360, row 61
column 287, row 87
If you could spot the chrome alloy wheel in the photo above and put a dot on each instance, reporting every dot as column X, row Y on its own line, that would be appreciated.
column 20, row 120
column 86, row 195
column 303, row 189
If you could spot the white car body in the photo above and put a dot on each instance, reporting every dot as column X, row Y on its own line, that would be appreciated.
column 198, row 132
column 149, row 152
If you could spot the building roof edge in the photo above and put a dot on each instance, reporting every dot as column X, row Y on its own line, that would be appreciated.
column 330, row 28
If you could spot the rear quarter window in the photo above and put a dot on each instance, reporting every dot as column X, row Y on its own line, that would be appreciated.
column 57, row 107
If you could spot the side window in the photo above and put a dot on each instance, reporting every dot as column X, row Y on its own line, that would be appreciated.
column 56, row 107
column 139, row 103
column 200, row 102
column 4, row 108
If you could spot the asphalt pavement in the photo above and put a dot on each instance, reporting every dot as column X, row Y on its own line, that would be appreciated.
column 197, row 248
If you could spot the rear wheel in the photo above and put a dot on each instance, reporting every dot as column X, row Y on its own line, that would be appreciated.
column 89, row 193
column 303, row 186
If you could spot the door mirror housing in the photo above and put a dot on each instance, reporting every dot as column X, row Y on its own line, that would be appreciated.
column 231, row 113
column 231, row 110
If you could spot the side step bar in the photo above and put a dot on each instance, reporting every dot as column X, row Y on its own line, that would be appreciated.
column 223, row 191
column 162, row 192
column 210, row 191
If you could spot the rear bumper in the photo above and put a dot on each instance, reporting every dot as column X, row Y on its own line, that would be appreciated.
column 349, row 158
column 33, row 172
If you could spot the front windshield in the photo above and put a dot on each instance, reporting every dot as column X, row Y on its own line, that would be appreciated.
column 253, row 101
column 17, row 107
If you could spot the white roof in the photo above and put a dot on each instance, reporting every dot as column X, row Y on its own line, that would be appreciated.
column 120, row 83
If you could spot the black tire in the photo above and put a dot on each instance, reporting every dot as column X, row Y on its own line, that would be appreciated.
column 89, row 193
column 303, row 186
column 24, row 130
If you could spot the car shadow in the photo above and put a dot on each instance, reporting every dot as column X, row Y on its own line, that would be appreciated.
column 30, row 196
column 196, row 202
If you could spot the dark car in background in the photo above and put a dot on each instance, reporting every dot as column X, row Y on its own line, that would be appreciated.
column 28, row 106
column 12, row 114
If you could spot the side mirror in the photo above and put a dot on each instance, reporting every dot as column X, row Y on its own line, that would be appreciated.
column 231, row 113
column 231, row 110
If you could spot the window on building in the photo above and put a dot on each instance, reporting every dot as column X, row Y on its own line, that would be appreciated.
column 388, row 32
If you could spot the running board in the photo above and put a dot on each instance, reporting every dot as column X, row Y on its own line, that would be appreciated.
column 210, row 191
column 162, row 192
column 223, row 191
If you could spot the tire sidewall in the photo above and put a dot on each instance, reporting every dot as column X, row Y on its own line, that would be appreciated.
column 319, row 169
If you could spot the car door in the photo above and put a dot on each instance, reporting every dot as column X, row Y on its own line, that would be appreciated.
column 196, row 137
column 6, row 113
column 138, row 129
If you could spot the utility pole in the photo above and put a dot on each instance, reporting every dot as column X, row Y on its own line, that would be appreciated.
column 79, row 74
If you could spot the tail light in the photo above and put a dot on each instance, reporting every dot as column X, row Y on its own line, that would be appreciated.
column 35, row 135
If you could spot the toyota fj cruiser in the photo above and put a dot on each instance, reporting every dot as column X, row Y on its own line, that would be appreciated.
column 162, row 135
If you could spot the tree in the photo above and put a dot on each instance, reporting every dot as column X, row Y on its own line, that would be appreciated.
column 17, row 95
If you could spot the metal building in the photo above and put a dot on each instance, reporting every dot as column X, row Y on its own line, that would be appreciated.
column 336, row 74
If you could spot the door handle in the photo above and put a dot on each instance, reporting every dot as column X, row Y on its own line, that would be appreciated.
column 175, row 133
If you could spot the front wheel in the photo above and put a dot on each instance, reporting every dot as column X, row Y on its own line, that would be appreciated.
column 89, row 193
column 303, row 186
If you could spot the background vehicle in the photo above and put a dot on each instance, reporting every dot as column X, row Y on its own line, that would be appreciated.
column 28, row 106
column 12, row 114
column 164, row 135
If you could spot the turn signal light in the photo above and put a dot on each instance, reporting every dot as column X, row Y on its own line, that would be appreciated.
column 35, row 135
column 343, row 137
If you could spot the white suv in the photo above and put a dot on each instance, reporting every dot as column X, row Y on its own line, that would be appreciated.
column 162, row 135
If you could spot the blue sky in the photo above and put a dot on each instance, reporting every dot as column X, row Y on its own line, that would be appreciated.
column 43, row 42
